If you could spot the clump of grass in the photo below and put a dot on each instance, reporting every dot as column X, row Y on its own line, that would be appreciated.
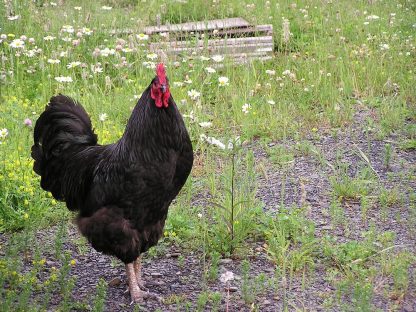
column 235, row 212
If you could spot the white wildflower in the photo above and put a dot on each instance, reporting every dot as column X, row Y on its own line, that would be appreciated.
column 106, row 52
column 103, row 117
column 86, row 31
column 205, row 124
column 49, row 38
column 106, row 8
column 193, row 94
column 73, row 65
column 152, row 56
column 286, row 72
column 96, row 69
column 30, row 53
column 142, row 37
column 191, row 116
column 212, row 140
column 246, row 108
column 210, row 70
column 17, row 44
column 13, row 18
column 77, row 8
column 270, row 72
column 223, row 81
column 149, row 65
column 271, row 102
column 3, row 133
column 217, row 58
column 372, row 17
column 178, row 84
column 204, row 58
column 384, row 46
column 68, row 28
column 63, row 79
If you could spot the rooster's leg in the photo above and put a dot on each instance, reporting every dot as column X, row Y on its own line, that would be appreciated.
column 138, row 271
column 134, row 289
column 136, row 294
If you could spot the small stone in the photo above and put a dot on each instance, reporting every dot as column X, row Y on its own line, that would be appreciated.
column 173, row 255
column 231, row 289
column 407, row 307
column 266, row 302
column 114, row 282
column 226, row 261
column 156, row 274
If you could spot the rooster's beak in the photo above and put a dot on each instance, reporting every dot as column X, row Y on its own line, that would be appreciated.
column 163, row 87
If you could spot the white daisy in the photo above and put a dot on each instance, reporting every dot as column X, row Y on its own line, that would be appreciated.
column 217, row 58
column 17, row 44
column 63, row 79
column 193, row 94
column 142, row 37
column 223, row 81
column 210, row 70
column 73, row 65
column 49, row 38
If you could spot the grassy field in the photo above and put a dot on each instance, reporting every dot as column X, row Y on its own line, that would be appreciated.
column 302, row 195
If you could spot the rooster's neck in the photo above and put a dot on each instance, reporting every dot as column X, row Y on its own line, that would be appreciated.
column 151, row 131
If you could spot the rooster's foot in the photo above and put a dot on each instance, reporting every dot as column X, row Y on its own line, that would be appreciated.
column 142, row 286
column 140, row 296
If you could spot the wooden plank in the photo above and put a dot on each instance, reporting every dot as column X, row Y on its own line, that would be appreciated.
column 263, row 48
column 227, row 23
column 216, row 42
column 252, row 31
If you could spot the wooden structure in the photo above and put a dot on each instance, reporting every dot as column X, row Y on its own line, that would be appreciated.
column 231, row 37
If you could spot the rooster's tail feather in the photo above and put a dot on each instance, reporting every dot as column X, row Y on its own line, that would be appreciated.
column 61, row 130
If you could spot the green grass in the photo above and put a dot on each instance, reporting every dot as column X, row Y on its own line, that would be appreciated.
column 344, row 59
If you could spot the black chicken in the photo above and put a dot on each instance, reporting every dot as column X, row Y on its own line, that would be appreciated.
column 123, row 190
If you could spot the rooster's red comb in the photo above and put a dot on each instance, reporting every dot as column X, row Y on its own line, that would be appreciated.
column 161, row 73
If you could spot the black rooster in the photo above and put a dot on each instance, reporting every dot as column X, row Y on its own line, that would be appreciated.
column 123, row 190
